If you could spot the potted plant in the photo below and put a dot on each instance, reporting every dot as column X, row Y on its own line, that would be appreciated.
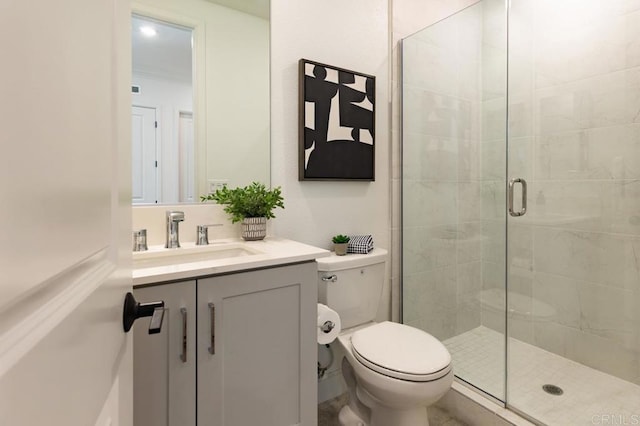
column 340, row 244
column 251, row 205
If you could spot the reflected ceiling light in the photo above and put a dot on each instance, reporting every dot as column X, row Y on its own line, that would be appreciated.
column 148, row 31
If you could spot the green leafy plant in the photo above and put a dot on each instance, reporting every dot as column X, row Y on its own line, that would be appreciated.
column 254, row 200
column 340, row 239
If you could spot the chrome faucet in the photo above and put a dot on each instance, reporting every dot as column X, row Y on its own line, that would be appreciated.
column 173, row 235
column 202, row 232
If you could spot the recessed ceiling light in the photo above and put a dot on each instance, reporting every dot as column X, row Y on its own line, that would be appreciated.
column 148, row 31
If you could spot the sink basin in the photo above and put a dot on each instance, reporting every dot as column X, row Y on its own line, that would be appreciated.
column 188, row 254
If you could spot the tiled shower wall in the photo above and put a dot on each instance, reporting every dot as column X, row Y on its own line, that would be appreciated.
column 408, row 17
column 442, row 184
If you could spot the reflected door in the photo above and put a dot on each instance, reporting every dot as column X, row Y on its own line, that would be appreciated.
column 143, row 155
column 186, row 149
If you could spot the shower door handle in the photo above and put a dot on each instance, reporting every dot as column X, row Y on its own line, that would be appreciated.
column 523, row 210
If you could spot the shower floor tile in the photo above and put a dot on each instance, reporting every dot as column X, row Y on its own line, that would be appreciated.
column 590, row 396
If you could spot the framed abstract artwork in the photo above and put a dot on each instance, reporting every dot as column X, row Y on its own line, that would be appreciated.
column 336, row 123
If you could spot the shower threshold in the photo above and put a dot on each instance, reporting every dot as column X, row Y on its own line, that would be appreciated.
column 589, row 396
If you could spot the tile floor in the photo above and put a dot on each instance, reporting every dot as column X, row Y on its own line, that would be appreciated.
column 590, row 396
column 328, row 411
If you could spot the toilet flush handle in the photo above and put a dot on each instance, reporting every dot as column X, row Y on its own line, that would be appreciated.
column 332, row 278
column 327, row 327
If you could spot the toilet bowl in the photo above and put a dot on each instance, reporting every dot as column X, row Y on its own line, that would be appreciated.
column 393, row 371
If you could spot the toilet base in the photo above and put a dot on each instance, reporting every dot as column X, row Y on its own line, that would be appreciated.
column 347, row 417
column 382, row 415
column 385, row 417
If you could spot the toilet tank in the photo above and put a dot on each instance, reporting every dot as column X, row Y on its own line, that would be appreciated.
column 352, row 285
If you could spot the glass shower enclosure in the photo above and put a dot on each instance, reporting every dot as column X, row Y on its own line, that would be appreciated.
column 521, row 202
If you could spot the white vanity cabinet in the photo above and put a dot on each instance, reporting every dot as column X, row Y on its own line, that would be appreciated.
column 257, row 348
column 253, row 361
column 164, row 364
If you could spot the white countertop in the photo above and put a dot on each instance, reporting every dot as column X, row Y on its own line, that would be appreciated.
column 269, row 252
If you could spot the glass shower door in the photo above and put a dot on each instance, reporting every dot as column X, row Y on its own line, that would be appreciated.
column 573, row 258
column 454, row 172
column 537, row 294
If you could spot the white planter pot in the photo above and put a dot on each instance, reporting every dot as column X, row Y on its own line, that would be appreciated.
column 254, row 228
column 340, row 248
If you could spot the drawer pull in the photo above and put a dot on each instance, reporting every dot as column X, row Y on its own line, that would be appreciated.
column 212, row 313
column 183, row 354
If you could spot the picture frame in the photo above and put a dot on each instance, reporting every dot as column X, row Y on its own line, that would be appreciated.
column 336, row 123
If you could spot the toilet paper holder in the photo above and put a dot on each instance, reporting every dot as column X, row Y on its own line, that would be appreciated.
column 327, row 326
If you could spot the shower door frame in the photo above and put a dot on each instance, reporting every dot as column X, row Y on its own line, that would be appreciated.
column 503, row 402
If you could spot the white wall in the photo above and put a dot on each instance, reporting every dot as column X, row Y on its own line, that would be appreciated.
column 237, row 87
column 350, row 35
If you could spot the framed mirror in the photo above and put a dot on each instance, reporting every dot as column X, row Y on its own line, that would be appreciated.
column 200, row 97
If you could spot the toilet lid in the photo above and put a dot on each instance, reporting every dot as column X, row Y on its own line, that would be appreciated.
column 401, row 351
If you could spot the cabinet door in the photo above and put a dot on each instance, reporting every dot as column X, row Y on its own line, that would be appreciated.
column 164, row 381
column 257, row 355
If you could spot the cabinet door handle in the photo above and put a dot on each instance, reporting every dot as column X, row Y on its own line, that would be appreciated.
column 183, row 354
column 212, row 313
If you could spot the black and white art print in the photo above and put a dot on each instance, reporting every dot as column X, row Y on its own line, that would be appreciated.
column 337, row 123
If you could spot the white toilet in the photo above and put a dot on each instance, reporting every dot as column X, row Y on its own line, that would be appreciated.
column 393, row 371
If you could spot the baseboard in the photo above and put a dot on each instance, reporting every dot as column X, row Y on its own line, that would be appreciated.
column 472, row 408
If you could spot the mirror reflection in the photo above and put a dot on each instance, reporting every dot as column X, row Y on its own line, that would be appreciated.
column 200, row 97
column 161, row 112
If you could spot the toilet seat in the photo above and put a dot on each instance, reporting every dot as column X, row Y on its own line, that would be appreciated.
column 402, row 352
